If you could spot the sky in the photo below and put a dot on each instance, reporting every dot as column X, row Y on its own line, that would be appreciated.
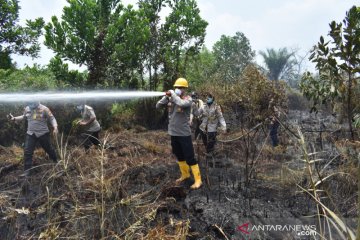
column 295, row 24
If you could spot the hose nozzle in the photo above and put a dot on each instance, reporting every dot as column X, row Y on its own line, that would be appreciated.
column 9, row 116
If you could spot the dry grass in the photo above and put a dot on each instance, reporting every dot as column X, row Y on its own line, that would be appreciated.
column 92, row 195
column 328, row 220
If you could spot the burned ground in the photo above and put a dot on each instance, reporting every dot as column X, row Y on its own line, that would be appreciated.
column 128, row 190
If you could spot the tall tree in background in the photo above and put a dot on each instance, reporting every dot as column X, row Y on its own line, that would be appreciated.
column 91, row 33
column 338, row 62
column 279, row 63
column 15, row 39
column 201, row 68
column 127, row 36
column 182, row 36
column 151, row 55
column 119, row 44
column 232, row 55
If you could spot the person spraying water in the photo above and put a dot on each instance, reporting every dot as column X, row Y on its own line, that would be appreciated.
column 179, row 104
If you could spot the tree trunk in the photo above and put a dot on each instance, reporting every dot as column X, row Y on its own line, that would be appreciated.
column 349, row 107
column 97, row 66
column 358, row 226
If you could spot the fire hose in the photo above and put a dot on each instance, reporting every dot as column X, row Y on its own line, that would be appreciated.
column 237, row 138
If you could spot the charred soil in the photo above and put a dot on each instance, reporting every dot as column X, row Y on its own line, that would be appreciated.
column 127, row 190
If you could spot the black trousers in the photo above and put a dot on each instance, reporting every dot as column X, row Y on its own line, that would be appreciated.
column 197, row 131
column 183, row 149
column 209, row 140
column 90, row 138
column 30, row 144
column 274, row 133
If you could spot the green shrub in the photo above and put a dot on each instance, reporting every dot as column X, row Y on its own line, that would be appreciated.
column 27, row 79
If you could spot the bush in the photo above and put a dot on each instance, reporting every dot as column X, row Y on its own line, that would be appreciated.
column 297, row 101
column 248, row 98
column 29, row 79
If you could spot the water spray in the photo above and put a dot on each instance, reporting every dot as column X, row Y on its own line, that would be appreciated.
column 79, row 96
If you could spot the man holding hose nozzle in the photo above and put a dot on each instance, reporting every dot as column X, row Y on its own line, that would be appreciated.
column 179, row 105
column 37, row 116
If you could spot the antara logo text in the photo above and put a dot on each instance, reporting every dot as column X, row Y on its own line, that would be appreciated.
column 299, row 230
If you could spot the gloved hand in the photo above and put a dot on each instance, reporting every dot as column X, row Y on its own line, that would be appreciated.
column 202, row 127
column 169, row 93
column 10, row 117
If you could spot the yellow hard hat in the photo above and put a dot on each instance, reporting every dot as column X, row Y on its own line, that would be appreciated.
column 181, row 82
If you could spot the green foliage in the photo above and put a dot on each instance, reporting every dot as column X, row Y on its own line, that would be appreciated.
column 123, row 114
column 79, row 37
column 182, row 36
column 64, row 76
column 15, row 39
column 201, row 68
column 6, row 61
column 280, row 63
column 357, row 120
column 119, row 44
column 129, row 32
column 338, row 63
column 232, row 56
column 28, row 79
column 319, row 89
column 151, row 56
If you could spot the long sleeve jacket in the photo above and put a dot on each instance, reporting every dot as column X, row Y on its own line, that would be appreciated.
column 179, row 114
column 38, row 119
column 212, row 118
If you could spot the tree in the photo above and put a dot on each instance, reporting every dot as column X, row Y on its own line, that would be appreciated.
column 129, row 34
column 201, row 68
column 182, row 36
column 64, row 76
column 119, row 44
column 151, row 55
column 27, row 79
column 232, row 55
column 338, row 63
column 15, row 39
column 99, row 34
column 280, row 64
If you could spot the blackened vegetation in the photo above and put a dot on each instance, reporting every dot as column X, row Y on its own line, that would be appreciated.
column 128, row 191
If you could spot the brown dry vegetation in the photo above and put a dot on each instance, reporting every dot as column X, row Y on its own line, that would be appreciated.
column 128, row 190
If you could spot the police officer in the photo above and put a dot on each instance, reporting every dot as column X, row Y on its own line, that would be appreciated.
column 274, row 122
column 37, row 116
column 90, row 126
column 212, row 119
column 195, row 120
column 179, row 129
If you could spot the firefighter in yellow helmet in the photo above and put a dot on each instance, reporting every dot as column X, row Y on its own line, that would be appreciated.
column 179, row 129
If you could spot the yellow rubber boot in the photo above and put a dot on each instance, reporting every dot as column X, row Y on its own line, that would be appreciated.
column 185, row 171
column 197, row 176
